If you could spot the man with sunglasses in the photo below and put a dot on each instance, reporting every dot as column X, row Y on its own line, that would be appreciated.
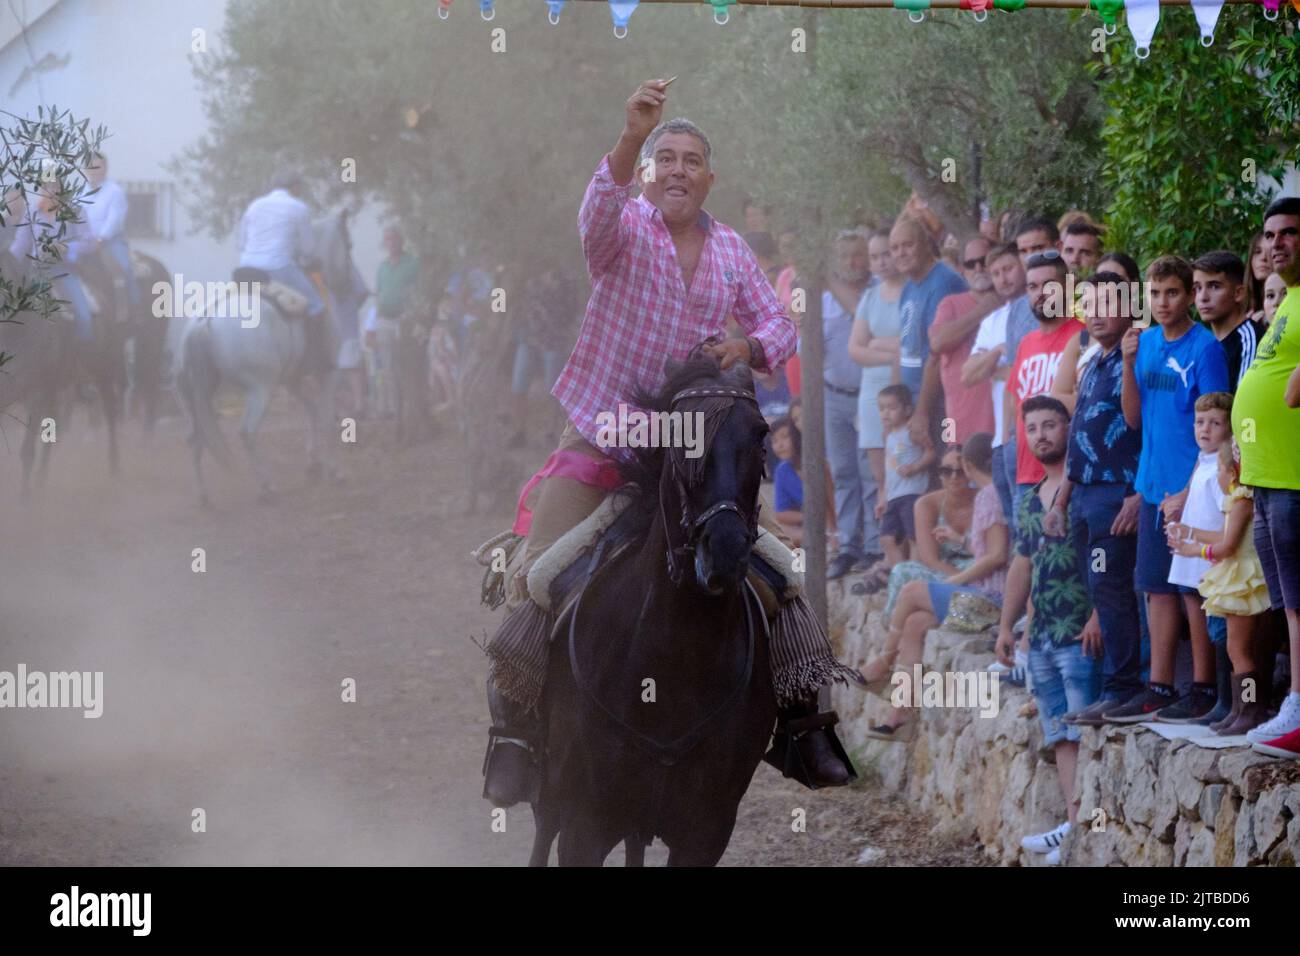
column 956, row 323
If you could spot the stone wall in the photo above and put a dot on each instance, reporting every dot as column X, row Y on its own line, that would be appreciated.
column 1145, row 800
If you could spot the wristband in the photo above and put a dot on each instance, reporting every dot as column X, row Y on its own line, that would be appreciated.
column 1204, row 548
column 1209, row 552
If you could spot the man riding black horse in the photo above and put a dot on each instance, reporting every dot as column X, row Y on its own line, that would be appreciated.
column 665, row 277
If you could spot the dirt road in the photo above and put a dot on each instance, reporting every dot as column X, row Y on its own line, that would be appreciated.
column 223, row 690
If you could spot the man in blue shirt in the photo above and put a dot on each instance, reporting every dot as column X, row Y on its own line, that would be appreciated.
column 1101, row 466
column 929, row 282
column 1166, row 369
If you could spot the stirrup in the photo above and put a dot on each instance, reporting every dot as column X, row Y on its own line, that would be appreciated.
column 513, row 763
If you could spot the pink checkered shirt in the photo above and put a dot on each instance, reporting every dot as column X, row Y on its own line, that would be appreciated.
column 640, row 312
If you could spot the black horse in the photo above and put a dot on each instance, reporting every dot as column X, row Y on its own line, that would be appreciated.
column 659, row 703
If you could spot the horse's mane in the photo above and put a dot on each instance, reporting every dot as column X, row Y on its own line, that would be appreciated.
column 643, row 466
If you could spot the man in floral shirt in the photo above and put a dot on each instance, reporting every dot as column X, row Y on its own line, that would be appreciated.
column 1064, row 638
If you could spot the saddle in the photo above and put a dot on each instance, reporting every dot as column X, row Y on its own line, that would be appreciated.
column 556, row 577
column 291, row 303
column 140, row 266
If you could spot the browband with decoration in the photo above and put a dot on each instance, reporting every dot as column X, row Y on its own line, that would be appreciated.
column 714, row 391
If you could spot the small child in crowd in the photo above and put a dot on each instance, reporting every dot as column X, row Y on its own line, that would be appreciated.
column 908, row 459
column 1203, row 510
column 787, row 445
column 1233, row 586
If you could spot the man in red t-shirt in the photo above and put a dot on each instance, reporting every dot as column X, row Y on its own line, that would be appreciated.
column 967, row 410
column 1039, row 354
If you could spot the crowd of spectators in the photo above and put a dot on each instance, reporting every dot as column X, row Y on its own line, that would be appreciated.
column 1028, row 432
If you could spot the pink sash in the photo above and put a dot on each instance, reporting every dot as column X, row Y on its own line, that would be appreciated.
column 567, row 464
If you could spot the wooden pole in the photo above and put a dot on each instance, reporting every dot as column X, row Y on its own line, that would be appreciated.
column 811, row 362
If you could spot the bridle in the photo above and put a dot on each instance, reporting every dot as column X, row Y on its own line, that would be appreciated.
column 692, row 525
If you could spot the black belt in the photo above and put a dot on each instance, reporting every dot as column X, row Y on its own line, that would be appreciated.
column 851, row 392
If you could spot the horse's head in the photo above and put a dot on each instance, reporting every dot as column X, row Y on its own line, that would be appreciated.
column 333, row 248
column 708, row 489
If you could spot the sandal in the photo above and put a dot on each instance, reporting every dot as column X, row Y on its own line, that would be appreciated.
column 876, row 579
column 900, row 733
column 879, row 686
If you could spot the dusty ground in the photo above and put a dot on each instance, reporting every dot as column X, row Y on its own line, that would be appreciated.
column 223, row 688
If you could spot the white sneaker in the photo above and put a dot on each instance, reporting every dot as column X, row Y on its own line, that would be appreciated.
column 1053, row 858
column 1287, row 720
column 1046, row 842
column 997, row 667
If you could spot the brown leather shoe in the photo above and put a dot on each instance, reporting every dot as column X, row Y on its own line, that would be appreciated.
column 817, row 759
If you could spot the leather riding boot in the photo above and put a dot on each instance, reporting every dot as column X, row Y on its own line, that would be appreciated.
column 1250, row 713
column 817, row 758
column 512, row 767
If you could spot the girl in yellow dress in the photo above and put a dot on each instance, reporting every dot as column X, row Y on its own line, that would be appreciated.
column 1233, row 588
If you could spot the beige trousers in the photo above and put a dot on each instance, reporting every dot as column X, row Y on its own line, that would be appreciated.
column 559, row 504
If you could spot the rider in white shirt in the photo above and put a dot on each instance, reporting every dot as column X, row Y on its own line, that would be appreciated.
column 104, row 214
column 275, row 236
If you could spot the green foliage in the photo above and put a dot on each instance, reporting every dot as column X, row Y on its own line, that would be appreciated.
column 48, row 151
column 503, row 144
column 1187, row 127
column 878, row 104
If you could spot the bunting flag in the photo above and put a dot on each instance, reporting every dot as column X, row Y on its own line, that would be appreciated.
column 621, row 12
column 1108, row 10
column 1207, row 16
column 1143, row 15
column 915, row 8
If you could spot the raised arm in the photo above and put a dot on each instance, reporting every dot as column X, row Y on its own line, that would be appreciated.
column 600, row 217
column 1131, row 397
column 1066, row 384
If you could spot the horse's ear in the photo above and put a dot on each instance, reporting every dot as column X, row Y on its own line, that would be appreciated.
column 672, row 367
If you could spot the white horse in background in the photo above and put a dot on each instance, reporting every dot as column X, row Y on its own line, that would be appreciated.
column 256, row 357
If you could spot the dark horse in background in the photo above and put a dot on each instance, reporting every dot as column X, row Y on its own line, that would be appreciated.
column 50, row 364
column 675, row 609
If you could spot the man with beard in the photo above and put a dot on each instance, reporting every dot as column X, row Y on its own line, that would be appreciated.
column 1064, row 640
column 1034, row 368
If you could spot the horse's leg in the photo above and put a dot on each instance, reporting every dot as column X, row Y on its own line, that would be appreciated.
column 259, row 400
column 109, row 399
column 582, row 846
column 547, row 828
column 699, row 854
